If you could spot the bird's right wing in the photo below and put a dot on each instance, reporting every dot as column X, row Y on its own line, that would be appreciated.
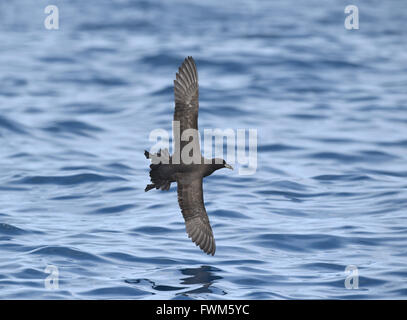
column 186, row 94
column 190, row 198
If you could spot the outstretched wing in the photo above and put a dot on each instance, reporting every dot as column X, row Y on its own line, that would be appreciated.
column 186, row 94
column 190, row 198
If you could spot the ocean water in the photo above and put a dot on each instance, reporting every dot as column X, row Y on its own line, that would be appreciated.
column 330, row 191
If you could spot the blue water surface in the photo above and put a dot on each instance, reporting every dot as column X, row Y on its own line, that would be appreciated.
column 330, row 106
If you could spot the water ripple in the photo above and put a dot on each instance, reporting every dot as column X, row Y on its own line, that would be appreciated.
column 68, row 180
column 330, row 190
column 66, row 252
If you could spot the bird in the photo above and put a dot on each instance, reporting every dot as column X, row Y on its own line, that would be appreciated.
column 166, row 169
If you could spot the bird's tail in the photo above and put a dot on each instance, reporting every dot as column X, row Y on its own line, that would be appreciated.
column 149, row 187
column 157, row 180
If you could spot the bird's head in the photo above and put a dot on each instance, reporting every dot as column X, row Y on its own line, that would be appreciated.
column 220, row 163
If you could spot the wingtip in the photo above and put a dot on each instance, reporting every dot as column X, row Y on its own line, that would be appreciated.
column 209, row 252
column 189, row 59
column 213, row 249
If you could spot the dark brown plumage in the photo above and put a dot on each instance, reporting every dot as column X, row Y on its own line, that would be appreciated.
column 166, row 169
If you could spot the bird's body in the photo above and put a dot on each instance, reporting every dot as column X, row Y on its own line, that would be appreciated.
column 166, row 169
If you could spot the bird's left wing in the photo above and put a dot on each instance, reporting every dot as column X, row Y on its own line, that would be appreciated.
column 186, row 94
column 190, row 198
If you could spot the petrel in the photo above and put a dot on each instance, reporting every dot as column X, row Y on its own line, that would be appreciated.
column 179, row 168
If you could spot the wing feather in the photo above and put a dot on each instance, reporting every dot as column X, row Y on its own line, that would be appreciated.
column 190, row 198
column 186, row 95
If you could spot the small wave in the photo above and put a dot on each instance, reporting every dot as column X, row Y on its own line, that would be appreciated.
column 10, row 86
column 118, row 291
column 363, row 156
column 150, row 260
column 11, row 125
column 399, row 174
column 397, row 143
column 77, row 168
column 229, row 214
column 133, row 25
column 161, row 59
column 300, row 242
column 12, row 189
column 90, row 108
column 58, row 59
column 227, row 66
column 115, row 209
column 304, row 116
column 70, row 197
column 333, row 140
column 400, row 292
column 68, row 180
column 323, row 266
column 292, row 194
column 121, row 256
column 121, row 189
column 20, row 155
column 153, row 230
column 66, row 252
column 342, row 177
column 8, row 229
column 118, row 167
column 153, row 285
column 227, row 111
column 79, row 79
column 277, row 147
column 374, row 155
column 72, row 127
column 165, row 92
column 289, row 185
column 30, row 273
column 335, row 156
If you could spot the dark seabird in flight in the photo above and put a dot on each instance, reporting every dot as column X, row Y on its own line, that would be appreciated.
column 189, row 176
